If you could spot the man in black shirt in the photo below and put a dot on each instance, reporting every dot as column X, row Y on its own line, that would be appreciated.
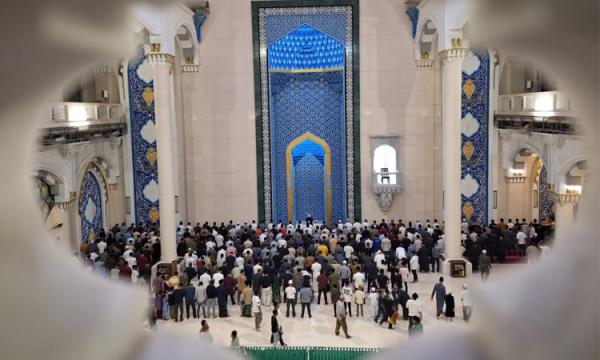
column 178, row 295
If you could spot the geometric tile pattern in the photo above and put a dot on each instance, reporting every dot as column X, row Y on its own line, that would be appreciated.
column 301, row 103
column 143, row 139
column 546, row 203
column 309, row 187
column 336, row 22
column 306, row 48
column 90, row 207
column 475, row 148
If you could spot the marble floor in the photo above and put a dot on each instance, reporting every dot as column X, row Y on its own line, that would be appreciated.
column 319, row 330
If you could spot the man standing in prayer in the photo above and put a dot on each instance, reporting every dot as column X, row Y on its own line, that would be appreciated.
column 257, row 311
column 485, row 265
column 467, row 305
column 439, row 290
column 306, row 296
column 340, row 318
column 290, row 299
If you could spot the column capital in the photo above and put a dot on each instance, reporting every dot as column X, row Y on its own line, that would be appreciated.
column 563, row 199
column 453, row 54
column 160, row 58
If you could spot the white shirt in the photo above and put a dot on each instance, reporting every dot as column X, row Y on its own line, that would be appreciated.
column 379, row 258
column 316, row 269
column 217, row 277
column 400, row 253
column 255, row 304
column 414, row 262
column 201, row 294
column 348, row 250
column 101, row 247
column 414, row 307
column 205, row 279
column 465, row 297
column 290, row 292
column 521, row 237
column 359, row 279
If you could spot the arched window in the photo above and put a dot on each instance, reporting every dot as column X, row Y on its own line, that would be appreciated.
column 385, row 164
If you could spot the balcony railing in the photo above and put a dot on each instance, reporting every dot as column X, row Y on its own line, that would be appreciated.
column 70, row 122
column 73, row 114
column 390, row 179
column 547, row 112
column 542, row 104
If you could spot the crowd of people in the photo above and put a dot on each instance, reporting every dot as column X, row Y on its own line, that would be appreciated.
column 289, row 268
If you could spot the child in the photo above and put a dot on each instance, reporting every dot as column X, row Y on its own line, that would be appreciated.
column 359, row 300
column 165, row 307
column 449, row 306
column 235, row 340
column 374, row 301
column 347, row 292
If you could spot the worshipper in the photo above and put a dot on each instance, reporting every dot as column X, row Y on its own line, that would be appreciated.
column 266, row 292
column 521, row 242
column 414, row 267
column 449, row 306
column 246, row 300
column 347, row 292
column 359, row 300
column 229, row 284
column 358, row 278
column 402, row 298
column 340, row 318
column 178, row 295
column 201, row 299
column 290, row 299
column 222, row 300
column 404, row 274
column 467, row 305
column 257, row 311
column 280, row 323
column 204, row 334
column 439, row 291
column 323, row 287
column 415, row 311
column 165, row 307
column 335, row 297
column 485, row 265
column 387, row 308
column 306, row 296
column 436, row 253
column 235, row 340
column 190, row 301
column 374, row 302
column 274, row 328
column 345, row 273
column 211, row 299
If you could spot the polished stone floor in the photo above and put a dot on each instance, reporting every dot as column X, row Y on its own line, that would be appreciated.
column 319, row 330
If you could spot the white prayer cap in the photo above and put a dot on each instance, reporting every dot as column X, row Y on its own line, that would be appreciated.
column 465, row 286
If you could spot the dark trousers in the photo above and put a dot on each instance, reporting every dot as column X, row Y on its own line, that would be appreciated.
column 521, row 249
column 324, row 292
column 406, row 286
column 348, row 306
column 359, row 310
column 292, row 303
column 232, row 298
column 345, row 281
column 415, row 276
column 305, row 306
column 334, row 308
column 280, row 339
column 379, row 313
column 435, row 262
column 178, row 312
column 187, row 309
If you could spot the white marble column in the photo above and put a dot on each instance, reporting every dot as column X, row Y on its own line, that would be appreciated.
column 565, row 213
column 451, row 155
column 162, row 68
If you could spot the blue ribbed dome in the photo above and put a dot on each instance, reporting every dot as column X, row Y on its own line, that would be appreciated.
column 306, row 49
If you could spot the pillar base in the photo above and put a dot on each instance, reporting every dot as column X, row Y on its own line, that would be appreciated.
column 446, row 267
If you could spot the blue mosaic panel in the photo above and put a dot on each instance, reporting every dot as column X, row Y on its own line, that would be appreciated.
column 546, row 203
column 475, row 136
column 301, row 103
column 279, row 24
column 306, row 48
column 90, row 207
column 143, row 141
column 309, row 187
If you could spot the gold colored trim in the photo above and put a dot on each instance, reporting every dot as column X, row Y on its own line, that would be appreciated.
column 307, row 70
column 289, row 169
